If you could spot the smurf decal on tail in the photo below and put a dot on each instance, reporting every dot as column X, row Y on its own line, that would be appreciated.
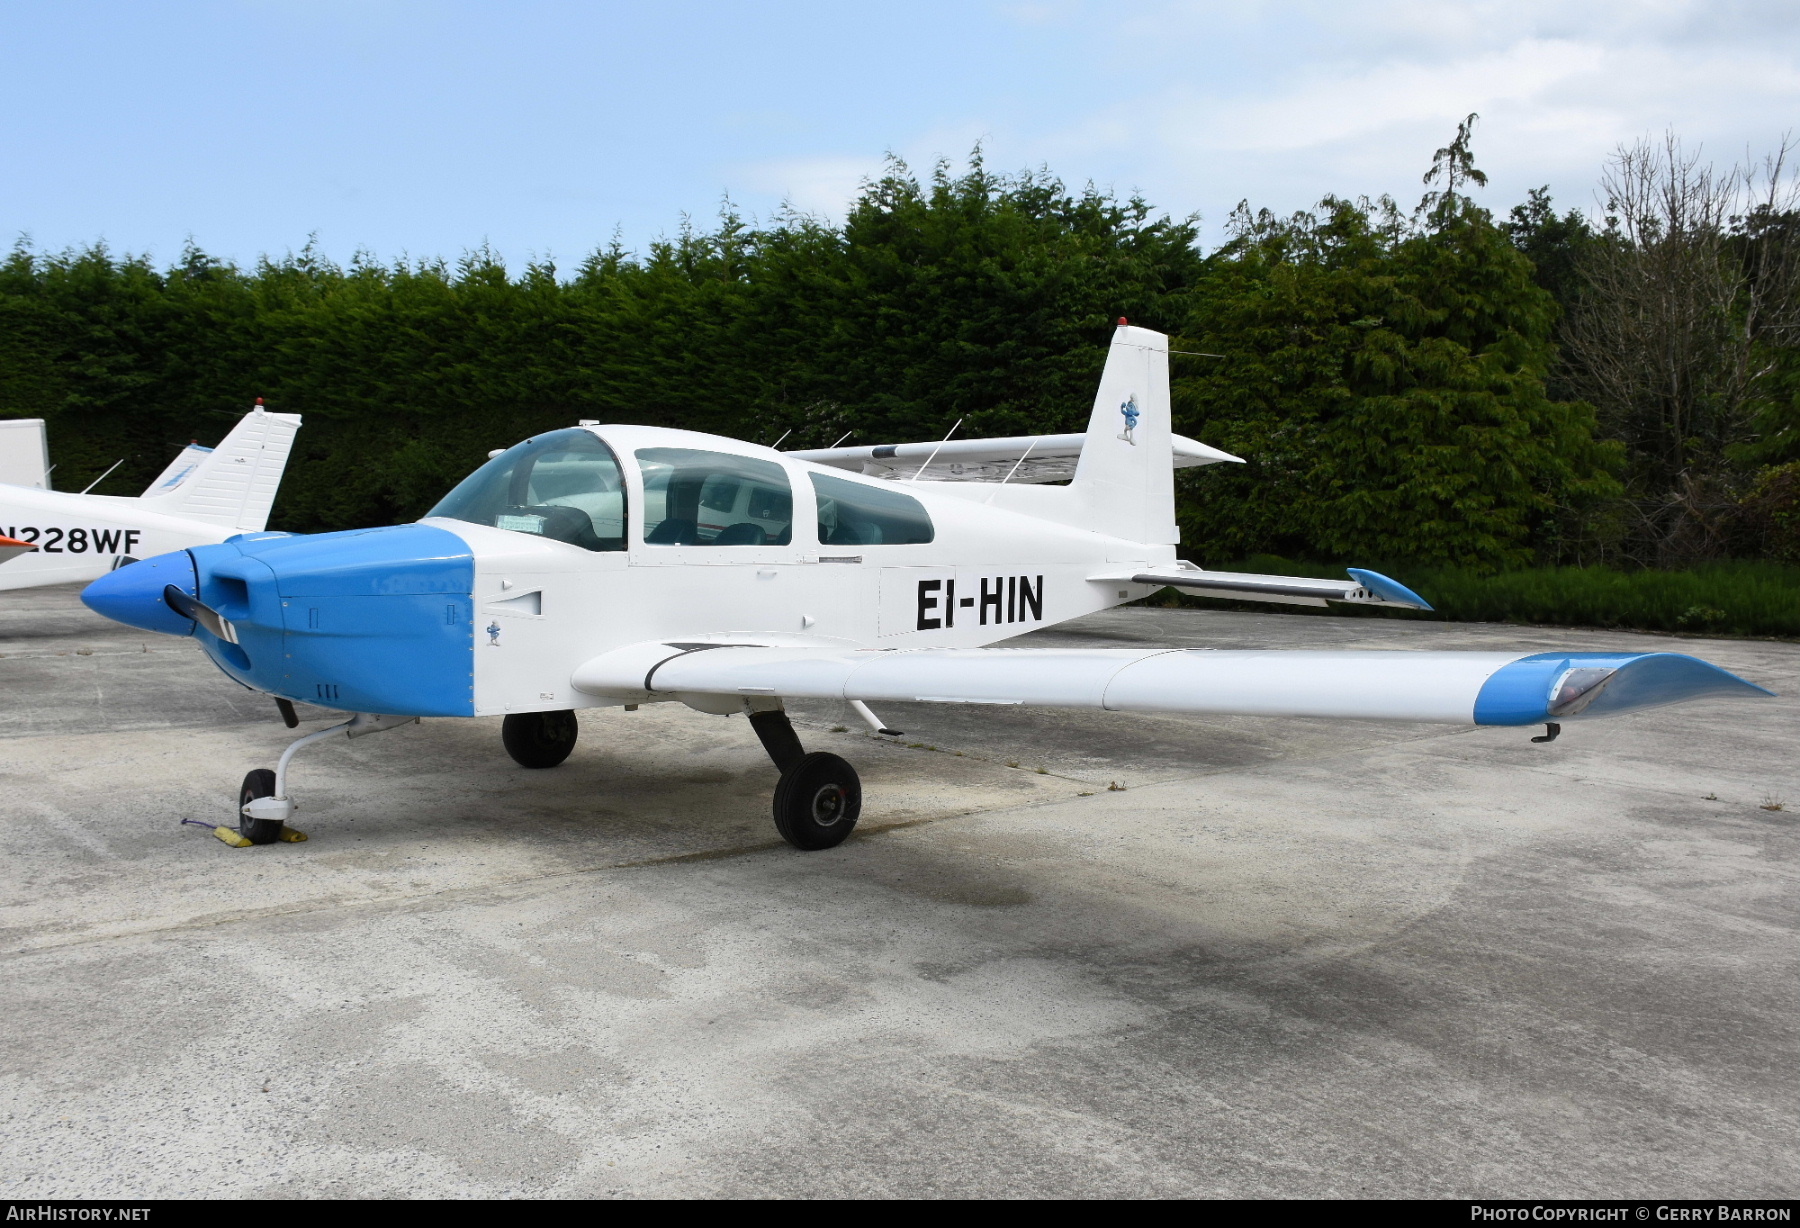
column 1129, row 411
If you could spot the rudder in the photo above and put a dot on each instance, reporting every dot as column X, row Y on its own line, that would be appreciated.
column 1125, row 480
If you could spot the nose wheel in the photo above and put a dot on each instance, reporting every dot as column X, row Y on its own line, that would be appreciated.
column 258, row 783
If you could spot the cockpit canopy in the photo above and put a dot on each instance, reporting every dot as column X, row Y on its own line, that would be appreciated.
column 568, row 485
column 564, row 484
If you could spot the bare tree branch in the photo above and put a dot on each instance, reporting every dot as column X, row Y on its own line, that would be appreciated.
column 1692, row 282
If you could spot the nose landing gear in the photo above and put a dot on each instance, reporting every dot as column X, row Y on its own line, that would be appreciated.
column 819, row 796
column 263, row 804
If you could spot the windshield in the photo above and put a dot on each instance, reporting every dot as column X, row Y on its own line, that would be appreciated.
column 564, row 485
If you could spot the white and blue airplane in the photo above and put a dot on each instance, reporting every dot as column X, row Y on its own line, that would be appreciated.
column 202, row 497
column 616, row 566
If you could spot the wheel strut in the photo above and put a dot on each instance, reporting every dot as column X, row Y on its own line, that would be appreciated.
column 778, row 738
column 264, row 806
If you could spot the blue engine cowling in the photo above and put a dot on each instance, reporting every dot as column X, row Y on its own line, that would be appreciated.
column 372, row 620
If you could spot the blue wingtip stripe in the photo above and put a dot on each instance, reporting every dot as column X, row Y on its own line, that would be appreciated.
column 1518, row 693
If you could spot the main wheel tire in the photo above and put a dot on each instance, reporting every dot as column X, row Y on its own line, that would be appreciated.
column 817, row 802
column 260, row 783
column 539, row 739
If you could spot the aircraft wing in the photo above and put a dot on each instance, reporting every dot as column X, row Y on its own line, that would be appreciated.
column 1020, row 458
column 1362, row 588
column 1483, row 688
column 12, row 548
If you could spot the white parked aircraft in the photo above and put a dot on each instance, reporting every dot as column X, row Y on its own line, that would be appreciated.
column 204, row 496
column 615, row 566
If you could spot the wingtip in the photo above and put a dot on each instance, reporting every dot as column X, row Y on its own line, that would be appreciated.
column 1520, row 693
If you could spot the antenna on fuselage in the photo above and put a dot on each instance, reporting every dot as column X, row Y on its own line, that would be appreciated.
column 1014, row 469
column 103, row 476
column 946, row 439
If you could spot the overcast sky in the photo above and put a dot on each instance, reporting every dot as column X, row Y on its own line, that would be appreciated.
column 426, row 128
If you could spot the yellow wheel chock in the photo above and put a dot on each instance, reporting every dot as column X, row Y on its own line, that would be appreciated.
column 236, row 839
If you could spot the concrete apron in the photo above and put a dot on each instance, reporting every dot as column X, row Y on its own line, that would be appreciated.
column 1289, row 958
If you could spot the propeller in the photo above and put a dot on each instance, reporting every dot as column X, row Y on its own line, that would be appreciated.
column 205, row 615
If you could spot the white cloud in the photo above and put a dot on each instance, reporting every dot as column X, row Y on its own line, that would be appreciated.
column 821, row 186
column 1284, row 103
column 1354, row 106
column 826, row 186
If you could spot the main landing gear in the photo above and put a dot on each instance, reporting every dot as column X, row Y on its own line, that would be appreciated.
column 816, row 802
column 539, row 739
column 819, row 797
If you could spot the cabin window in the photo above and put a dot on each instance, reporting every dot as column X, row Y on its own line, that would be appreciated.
column 698, row 498
column 859, row 514
column 564, row 485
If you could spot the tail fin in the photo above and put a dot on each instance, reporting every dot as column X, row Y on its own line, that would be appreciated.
column 1125, row 480
column 233, row 484
column 24, row 455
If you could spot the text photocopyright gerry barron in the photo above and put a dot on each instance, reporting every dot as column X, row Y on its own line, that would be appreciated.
column 1631, row 1213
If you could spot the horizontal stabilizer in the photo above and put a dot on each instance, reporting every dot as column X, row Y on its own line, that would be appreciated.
column 12, row 548
column 1362, row 588
column 1489, row 688
column 1019, row 459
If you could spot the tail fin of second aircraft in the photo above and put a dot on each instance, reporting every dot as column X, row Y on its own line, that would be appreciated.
column 233, row 484
column 1124, row 481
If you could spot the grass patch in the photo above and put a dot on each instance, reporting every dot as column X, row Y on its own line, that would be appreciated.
column 1737, row 598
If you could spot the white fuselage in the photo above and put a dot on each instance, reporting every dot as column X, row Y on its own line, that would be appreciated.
column 988, row 575
column 82, row 537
